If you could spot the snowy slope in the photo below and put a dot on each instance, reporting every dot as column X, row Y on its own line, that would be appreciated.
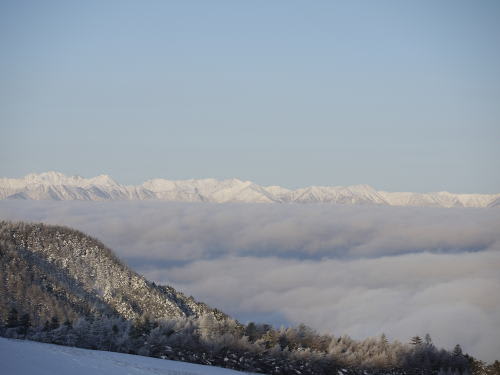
column 57, row 186
column 69, row 272
column 19, row 357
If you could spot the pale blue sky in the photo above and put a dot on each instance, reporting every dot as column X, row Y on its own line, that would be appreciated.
column 401, row 95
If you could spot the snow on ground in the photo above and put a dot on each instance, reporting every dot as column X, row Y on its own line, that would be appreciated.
column 19, row 357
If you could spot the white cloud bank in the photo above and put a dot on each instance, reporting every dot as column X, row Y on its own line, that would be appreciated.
column 343, row 269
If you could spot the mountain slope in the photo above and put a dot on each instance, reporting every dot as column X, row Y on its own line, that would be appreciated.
column 47, row 269
column 57, row 186
column 48, row 359
column 62, row 274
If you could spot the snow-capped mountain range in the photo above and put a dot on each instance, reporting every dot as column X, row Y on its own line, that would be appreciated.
column 57, row 186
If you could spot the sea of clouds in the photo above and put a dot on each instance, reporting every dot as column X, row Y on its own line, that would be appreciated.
column 357, row 270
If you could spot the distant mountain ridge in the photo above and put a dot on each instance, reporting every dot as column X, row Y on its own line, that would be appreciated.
column 57, row 186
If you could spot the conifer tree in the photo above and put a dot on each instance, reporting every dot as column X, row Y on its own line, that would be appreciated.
column 24, row 324
column 251, row 332
column 457, row 351
column 416, row 340
column 12, row 320
column 54, row 323
column 383, row 340
column 46, row 326
column 428, row 340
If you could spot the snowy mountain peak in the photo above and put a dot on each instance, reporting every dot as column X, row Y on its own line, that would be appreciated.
column 362, row 188
column 52, row 178
column 57, row 186
column 102, row 180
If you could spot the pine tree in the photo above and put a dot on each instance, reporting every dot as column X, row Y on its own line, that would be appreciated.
column 54, row 323
column 428, row 340
column 46, row 326
column 24, row 324
column 416, row 340
column 251, row 332
column 136, row 331
column 383, row 340
column 457, row 351
column 12, row 320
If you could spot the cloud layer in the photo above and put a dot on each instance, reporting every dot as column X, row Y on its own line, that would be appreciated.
column 343, row 269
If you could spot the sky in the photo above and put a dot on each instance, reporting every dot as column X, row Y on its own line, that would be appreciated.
column 400, row 95
column 355, row 270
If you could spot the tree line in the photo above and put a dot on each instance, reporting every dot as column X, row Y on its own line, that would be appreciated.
column 251, row 347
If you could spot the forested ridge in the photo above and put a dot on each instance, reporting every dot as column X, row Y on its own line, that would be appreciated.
column 61, row 286
column 55, row 271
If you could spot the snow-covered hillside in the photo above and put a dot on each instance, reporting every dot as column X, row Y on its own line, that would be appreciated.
column 50, row 268
column 19, row 357
column 57, row 186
